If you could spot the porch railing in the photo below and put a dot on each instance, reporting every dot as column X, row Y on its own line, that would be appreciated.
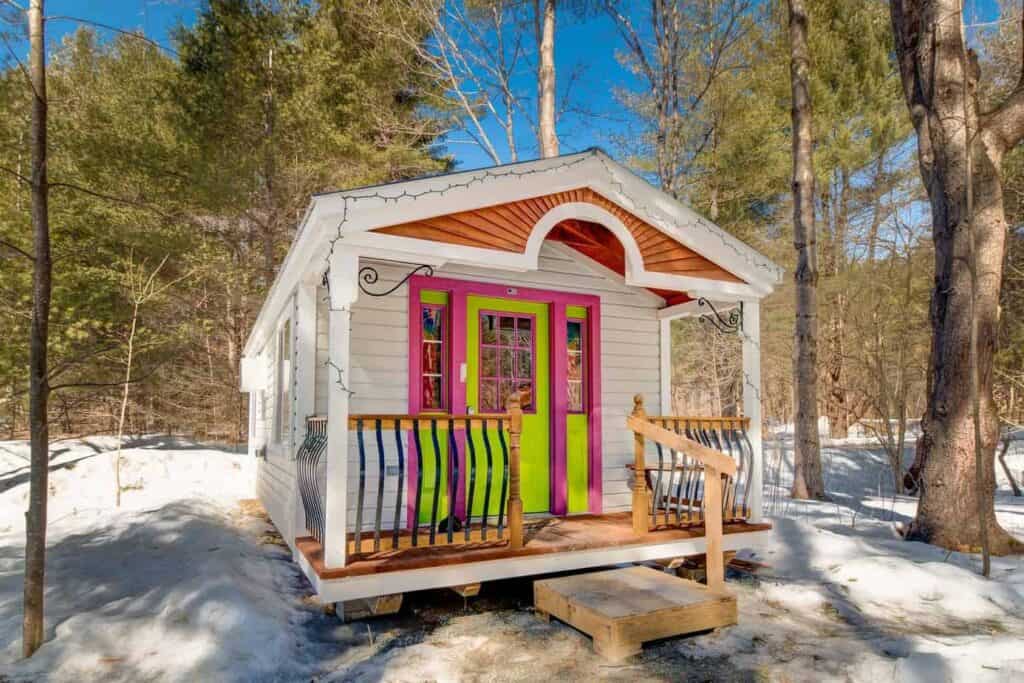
column 676, row 482
column 310, row 475
column 468, row 463
column 702, row 479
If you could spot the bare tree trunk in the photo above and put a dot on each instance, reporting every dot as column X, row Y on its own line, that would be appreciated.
column 934, row 65
column 39, row 388
column 124, row 404
column 546, row 135
column 807, row 477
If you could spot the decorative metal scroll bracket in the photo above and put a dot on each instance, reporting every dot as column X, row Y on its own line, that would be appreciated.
column 368, row 275
column 726, row 325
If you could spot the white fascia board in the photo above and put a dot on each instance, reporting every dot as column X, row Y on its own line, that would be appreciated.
column 412, row 250
column 685, row 225
column 372, row 585
column 396, row 203
column 293, row 270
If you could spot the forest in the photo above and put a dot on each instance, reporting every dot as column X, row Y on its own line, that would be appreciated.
column 190, row 167
column 151, row 184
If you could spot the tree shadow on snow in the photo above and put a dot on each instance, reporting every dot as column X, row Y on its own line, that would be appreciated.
column 183, row 573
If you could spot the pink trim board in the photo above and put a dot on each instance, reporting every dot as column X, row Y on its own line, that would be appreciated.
column 458, row 293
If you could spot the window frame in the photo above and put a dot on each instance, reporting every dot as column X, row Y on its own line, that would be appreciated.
column 584, row 366
column 480, row 377
column 281, row 429
column 445, row 344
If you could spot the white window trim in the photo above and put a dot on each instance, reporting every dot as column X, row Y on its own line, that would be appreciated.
column 281, row 430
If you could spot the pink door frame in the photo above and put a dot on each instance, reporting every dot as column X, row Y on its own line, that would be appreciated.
column 458, row 293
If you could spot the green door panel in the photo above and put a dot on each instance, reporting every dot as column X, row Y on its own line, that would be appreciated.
column 535, row 460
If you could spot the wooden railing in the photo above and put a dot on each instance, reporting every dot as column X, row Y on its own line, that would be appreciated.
column 702, row 466
column 472, row 458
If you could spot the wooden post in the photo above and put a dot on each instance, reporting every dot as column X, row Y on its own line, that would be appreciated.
column 713, row 528
column 641, row 499
column 515, row 501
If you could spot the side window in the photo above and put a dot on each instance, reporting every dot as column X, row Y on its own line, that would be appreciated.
column 433, row 333
column 282, row 381
column 576, row 348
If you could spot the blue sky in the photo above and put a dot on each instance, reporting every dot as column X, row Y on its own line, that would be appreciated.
column 585, row 47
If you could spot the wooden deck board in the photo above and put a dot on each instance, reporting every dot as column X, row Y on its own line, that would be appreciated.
column 552, row 535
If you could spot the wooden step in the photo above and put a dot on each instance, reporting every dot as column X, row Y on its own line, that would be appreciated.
column 623, row 608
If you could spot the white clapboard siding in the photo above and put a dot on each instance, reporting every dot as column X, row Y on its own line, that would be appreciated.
column 275, row 475
column 379, row 361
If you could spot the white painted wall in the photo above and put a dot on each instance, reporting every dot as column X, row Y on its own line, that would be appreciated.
column 630, row 360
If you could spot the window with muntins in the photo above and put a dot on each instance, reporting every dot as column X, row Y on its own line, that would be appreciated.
column 433, row 331
column 575, row 348
column 506, row 361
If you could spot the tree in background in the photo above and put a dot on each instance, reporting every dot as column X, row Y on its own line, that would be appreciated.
column 39, row 387
column 807, row 478
column 544, row 19
column 960, row 154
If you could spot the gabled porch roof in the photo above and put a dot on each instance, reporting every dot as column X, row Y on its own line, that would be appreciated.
column 499, row 217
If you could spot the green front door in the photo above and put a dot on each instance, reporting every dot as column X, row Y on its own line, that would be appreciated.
column 507, row 353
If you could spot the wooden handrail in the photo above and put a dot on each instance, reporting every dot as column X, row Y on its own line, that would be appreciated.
column 739, row 420
column 709, row 457
column 715, row 465
column 389, row 421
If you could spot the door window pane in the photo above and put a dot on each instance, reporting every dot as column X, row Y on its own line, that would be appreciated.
column 506, row 361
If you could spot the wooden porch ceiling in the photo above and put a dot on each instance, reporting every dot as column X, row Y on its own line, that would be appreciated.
column 508, row 226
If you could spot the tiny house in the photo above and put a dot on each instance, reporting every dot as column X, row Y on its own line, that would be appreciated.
column 466, row 377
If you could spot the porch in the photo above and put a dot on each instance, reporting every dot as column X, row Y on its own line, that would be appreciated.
column 693, row 497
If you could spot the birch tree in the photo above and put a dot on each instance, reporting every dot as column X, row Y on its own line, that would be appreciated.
column 807, row 477
column 960, row 154
column 544, row 17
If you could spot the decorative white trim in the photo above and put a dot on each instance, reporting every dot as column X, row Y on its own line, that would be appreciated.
column 587, row 212
column 344, row 290
column 665, row 365
column 372, row 585
column 345, row 217
column 750, row 333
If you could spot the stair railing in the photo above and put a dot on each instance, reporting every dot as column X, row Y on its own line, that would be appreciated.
column 712, row 464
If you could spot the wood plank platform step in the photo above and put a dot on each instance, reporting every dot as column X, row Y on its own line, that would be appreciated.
column 623, row 608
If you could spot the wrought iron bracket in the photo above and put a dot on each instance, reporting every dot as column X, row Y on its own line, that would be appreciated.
column 724, row 324
column 368, row 275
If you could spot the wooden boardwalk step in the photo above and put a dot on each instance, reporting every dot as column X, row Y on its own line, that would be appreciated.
column 623, row 608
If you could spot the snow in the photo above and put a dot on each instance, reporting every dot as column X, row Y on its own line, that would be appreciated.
column 187, row 581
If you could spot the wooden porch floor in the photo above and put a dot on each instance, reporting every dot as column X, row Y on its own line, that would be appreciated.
column 550, row 535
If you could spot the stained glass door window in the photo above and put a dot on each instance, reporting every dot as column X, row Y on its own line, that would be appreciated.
column 506, row 361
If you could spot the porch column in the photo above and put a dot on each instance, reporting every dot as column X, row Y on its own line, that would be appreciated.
column 665, row 337
column 304, row 369
column 343, row 293
column 751, row 334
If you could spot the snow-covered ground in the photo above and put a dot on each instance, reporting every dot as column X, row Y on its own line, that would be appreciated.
column 185, row 582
